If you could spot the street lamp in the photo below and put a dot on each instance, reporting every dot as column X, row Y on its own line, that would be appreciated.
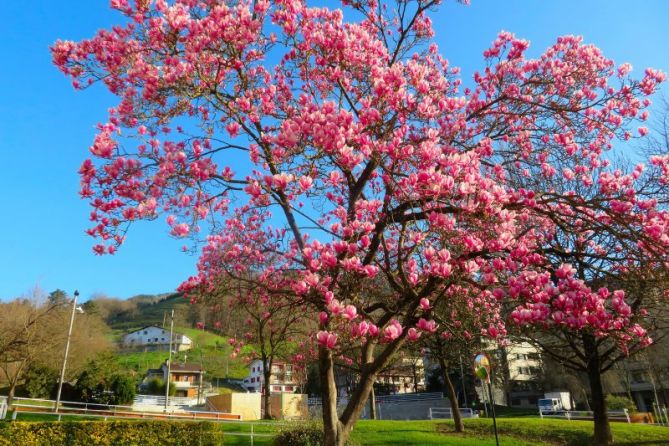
column 75, row 309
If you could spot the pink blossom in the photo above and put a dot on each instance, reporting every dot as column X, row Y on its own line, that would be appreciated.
column 326, row 339
column 413, row 334
column 350, row 312
column 428, row 326
column 392, row 331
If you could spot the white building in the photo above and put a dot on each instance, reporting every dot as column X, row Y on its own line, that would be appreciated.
column 518, row 370
column 281, row 379
column 156, row 338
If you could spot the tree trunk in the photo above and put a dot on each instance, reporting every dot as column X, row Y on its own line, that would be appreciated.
column 331, row 424
column 602, row 436
column 267, row 374
column 267, row 415
column 452, row 396
column 372, row 404
column 10, row 394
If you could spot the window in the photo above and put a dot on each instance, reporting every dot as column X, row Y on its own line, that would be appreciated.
column 277, row 388
column 638, row 377
column 145, row 332
column 289, row 388
column 253, row 380
column 515, row 402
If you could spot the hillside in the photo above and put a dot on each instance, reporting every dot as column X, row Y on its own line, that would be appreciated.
column 211, row 349
column 152, row 310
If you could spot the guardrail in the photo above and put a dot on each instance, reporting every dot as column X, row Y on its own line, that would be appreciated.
column 75, row 408
column 388, row 399
column 156, row 400
column 403, row 397
column 614, row 415
column 436, row 413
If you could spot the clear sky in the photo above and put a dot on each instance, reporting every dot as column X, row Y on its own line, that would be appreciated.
column 46, row 128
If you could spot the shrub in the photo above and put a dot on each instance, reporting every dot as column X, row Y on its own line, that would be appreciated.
column 620, row 402
column 303, row 434
column 156, row 386
column 109, row 433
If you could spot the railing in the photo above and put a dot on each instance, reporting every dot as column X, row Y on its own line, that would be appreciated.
column 157, row 400
column 446, row 412
column 75, row 408
column 661, row 414
column 614, row 415
column 387, row 399
column 403, row 397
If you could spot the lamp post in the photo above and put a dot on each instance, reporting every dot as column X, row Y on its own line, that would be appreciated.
column 67, row 348
column 169, row 364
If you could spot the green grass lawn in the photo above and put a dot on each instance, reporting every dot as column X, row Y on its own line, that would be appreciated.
column 513, row 432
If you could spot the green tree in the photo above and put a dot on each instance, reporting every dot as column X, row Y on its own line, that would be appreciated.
column 156, row 386
column 39, row 380
column 123, row 388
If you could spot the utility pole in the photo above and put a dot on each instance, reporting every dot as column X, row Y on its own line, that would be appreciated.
column 462, row 380
column 169, row 364
column 67, row 350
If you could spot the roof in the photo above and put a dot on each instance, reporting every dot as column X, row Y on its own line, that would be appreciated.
column 144, row 328
column 186, row 367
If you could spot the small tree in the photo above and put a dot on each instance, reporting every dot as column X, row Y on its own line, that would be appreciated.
column 40, row 380
column 274, row 322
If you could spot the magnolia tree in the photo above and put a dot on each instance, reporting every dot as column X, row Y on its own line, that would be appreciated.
column 274, row 320
column 465, row 318
column 604, row 262
column 344, row 155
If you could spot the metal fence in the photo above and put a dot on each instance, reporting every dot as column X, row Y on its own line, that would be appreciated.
column 436, row 413
column 76, row 408
column 614, row 415
column 661, row 414
column 155, row 400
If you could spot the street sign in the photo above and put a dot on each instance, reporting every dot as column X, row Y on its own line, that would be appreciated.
column 482, row 367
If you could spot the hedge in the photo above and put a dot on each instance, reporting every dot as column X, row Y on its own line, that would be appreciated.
column 109, row 433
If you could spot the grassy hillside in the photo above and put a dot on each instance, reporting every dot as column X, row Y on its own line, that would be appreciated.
column 212, row 350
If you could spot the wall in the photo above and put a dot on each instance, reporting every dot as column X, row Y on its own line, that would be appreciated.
column 289, row 406
column 245, row 404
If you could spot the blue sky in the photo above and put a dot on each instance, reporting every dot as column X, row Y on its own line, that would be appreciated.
column 46, row 128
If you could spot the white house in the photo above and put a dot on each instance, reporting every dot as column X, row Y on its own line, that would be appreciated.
column 281, row 380
column 156, row 338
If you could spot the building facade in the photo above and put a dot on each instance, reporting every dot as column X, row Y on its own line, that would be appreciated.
column 188, row 378
column 282, row 379
column 156, row 338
